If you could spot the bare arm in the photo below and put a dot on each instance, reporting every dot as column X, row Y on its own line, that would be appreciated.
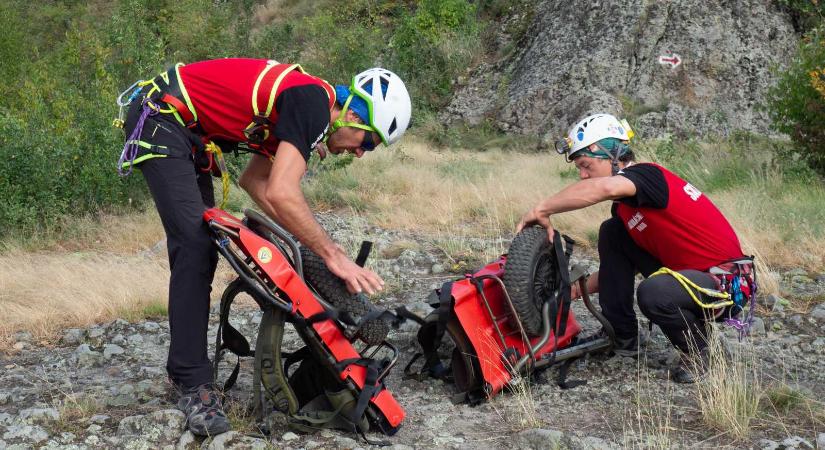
column 578, row 195
column 276, row 187
column 592, row 285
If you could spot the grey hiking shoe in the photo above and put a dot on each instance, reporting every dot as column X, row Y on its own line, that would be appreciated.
column 204, row 411
column 691, row 368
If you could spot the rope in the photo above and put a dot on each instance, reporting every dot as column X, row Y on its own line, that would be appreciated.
column 742, row 326
column 724, row 297
column 213, row 148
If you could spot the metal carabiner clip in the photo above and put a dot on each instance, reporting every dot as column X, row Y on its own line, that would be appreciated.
column 120, row 101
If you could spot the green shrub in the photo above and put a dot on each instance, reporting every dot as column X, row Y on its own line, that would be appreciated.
column 796, row 103
column 71, row 59
column 806, row 14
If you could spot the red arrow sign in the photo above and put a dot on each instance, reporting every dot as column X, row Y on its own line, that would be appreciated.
column 670, row 60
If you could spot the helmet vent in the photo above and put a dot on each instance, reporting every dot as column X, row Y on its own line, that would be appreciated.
column 393, row 126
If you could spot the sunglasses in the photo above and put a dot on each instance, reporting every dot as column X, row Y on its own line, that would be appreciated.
column 368, row 144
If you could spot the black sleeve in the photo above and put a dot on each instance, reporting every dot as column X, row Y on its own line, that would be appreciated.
column 303, row 117
column 651, row 187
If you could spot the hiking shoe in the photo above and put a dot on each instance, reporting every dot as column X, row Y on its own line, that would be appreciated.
column 204, row 411
column 691, row 367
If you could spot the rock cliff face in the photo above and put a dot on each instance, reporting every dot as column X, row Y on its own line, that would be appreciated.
column 584, row 56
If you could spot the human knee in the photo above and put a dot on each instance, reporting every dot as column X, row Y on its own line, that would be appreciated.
column 609, row 232
column 649, row 295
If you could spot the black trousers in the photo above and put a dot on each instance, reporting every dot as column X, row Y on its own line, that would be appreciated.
column 661, row 298
column 181, row 194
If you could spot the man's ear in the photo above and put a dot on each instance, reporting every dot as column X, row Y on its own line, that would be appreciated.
column 350, row 116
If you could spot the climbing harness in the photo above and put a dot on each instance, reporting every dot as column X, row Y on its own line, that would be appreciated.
column 737, row 289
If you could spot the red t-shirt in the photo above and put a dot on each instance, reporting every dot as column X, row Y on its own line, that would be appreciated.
column 675, row 222
column 221, row 93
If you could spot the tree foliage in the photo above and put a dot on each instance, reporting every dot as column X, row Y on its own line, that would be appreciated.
column 65, row 62
column 797, row 102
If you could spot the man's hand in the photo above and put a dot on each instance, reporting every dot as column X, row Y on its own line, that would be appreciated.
column 574, row 291
column 321, row 149
column 357, row 278
column 534, row 217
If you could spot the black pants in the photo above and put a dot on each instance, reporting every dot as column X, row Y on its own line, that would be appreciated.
column 181, row 194
column 661, row 298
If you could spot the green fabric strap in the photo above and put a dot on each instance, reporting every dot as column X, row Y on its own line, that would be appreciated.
column 269, row 367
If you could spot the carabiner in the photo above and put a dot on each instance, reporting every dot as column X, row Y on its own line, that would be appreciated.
column 120, row 101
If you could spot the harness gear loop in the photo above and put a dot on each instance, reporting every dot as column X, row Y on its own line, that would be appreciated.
column 130, row 148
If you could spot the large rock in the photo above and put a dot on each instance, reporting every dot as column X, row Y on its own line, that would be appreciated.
column 581, row 57
column 538, row 439
column 159, row 427
column 237, row 441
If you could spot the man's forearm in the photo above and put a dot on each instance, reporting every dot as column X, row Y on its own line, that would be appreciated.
column 576, row 196
column 292, row 212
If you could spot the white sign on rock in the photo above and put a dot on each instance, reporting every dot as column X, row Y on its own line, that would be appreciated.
column 673, row 60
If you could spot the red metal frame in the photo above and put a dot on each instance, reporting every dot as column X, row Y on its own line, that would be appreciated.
column 279, row 271
column 478, row 324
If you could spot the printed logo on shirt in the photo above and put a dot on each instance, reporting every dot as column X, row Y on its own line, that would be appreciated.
column 692, row 192
column 636, row 222
column 318, row 139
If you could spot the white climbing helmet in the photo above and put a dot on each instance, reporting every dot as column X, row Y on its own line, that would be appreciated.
column 389, row 105
column 593, row 129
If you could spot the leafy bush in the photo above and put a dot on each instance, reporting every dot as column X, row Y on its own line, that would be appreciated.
column 71, row 59
column 806, row 14
column 796, row 103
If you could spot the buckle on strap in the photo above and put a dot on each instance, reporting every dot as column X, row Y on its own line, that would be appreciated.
column 258, row 130
column 184, row 112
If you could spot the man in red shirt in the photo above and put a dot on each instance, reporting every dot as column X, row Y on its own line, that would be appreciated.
column 279, row 113
column 658, row 220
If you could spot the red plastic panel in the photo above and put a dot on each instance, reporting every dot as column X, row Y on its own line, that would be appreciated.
column 477, row 323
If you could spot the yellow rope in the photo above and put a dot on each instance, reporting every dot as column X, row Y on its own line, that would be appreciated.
column 212, row 147
column 724, row 297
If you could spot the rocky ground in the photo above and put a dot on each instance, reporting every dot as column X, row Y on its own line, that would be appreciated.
column 105, row 387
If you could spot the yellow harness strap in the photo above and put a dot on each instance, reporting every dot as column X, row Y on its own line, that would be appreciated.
column 213, row 148
column 724, row 297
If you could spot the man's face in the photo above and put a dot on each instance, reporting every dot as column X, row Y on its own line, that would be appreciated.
column 590, row 167
column 349, row 139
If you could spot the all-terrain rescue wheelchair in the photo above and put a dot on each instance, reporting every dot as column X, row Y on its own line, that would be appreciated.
column 337, row 379
column 508, row 320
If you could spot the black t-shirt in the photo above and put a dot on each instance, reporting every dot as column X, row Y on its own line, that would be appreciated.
column 303, row 117
column 651, row 187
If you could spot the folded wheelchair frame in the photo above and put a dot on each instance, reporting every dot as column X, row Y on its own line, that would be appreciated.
column 493, row 346
column 268, row 263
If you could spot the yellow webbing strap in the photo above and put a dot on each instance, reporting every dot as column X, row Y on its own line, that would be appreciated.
column 724, row 297
column 273, row 90
column 212, row 147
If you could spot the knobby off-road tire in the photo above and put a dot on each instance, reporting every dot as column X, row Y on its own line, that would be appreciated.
column 531, row 276
column 334, row 290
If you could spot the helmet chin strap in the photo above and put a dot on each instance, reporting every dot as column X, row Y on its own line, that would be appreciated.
column 340, row 123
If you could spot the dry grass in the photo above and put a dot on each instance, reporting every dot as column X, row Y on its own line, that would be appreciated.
column 454, row 196
column 729, row 393
column 455, row 192
column 651, row 414
column 450, row 193
column 43, row 292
